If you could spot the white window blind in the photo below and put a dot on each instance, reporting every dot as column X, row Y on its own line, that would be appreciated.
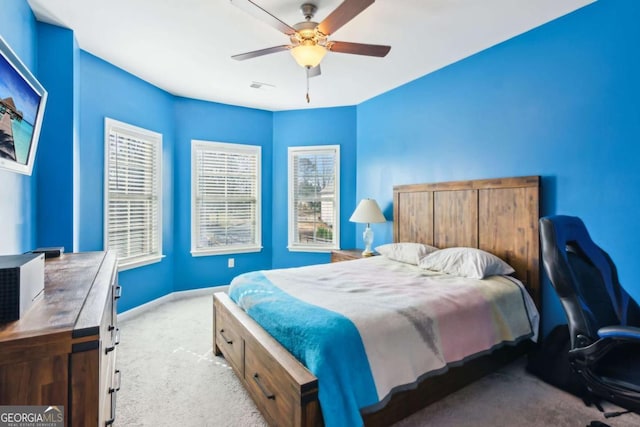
column 133, row 214
column 225, row 198
column 314, row 198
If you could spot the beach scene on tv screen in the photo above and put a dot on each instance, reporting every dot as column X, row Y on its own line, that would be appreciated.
column 18, row 110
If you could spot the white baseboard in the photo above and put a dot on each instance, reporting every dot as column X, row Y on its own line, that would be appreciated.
column 136, row 311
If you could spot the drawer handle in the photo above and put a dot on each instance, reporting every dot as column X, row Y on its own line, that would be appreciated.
column 115, row 389
column 107, row 350
column 227, row 340
column 264, row 391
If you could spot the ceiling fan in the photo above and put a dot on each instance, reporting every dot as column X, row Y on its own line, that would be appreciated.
column 309, row 39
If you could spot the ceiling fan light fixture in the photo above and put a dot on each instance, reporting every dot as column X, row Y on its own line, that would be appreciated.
column 308, row 55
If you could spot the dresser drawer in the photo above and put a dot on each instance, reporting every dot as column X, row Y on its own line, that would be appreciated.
column 271, row 387
column 229, row 341
column 109, row 338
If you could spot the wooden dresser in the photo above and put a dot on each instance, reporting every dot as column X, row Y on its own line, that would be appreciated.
column 62, row 351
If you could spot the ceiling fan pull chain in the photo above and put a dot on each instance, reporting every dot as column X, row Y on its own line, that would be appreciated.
column 308, row 99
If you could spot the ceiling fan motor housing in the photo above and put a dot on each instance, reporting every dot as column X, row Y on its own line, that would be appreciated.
column 307, row 34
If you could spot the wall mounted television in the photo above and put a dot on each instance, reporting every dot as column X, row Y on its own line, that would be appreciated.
column 22, row 102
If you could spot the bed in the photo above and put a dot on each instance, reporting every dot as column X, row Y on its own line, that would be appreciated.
column 499, row 216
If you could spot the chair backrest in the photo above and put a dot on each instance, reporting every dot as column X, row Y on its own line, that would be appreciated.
column 585, row 279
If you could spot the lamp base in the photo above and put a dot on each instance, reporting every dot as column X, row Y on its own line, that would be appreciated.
column 367, row 238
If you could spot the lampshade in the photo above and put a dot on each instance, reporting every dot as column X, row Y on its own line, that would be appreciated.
column 308, row 55
column 367, row 211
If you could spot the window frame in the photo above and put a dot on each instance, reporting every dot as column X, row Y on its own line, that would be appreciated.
column 155, row 138
column 256, row 150
column 294, row 246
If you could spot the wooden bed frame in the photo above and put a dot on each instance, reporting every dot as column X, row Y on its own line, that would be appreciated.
column 496, row 215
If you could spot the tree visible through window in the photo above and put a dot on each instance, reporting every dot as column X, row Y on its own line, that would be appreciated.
column 314, row 198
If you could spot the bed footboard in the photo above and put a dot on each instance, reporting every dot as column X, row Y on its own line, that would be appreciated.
column 284, row 391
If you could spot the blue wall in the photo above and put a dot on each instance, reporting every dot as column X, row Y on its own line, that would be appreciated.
column 210, row 121
column 560, row 101
column 56, row 58
column 18, row 197
column 108, row 91
column 326, row 126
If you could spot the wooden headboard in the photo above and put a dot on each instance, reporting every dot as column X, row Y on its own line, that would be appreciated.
column 496, row 215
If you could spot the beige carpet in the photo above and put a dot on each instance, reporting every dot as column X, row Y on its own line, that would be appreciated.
column 171, row 378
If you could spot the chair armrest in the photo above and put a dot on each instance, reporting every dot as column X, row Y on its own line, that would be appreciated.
column 610, row 337
column 620, row 332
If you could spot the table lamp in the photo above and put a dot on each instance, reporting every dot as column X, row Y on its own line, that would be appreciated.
column 367, row 212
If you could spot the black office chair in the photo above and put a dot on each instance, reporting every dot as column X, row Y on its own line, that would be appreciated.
column 604, row 322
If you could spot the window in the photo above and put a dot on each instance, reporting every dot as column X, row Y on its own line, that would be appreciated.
column 225, row 198
column 314, row 198
column 133, row 188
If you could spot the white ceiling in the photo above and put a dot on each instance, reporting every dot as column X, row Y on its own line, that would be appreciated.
column 185, row 46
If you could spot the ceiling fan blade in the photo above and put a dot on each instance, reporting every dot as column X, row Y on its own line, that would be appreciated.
column 258, row 12
column 360, row 49
column 314, row 72
column 344, row 13
column 255, row 53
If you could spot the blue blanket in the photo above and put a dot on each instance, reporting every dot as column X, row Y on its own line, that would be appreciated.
column 327, row 343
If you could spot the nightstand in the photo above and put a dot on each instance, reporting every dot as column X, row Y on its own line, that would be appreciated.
column 346, row 255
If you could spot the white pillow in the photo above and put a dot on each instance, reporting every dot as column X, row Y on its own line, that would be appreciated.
column 465, row 262
column 410, row 253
